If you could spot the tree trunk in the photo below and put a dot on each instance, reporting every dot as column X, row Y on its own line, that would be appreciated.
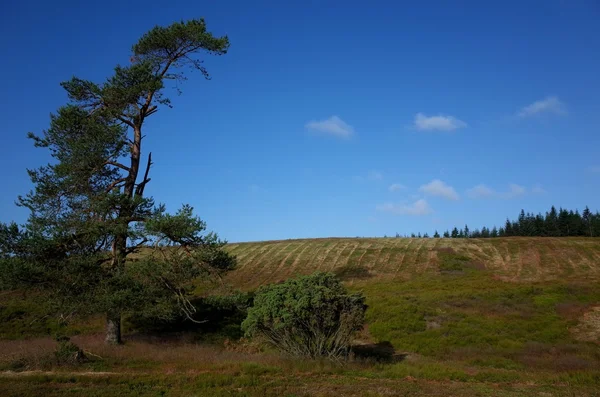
column 113, row 329
column 119, row 249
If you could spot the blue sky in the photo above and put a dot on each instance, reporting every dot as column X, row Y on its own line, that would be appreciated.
column 335, row 118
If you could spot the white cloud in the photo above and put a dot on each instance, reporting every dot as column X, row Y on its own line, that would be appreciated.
column 418, row 208
column 439, row 123
column 538, row 189
column 480, row 191
column 334, row 126
column 515, row 191
column 439, row 188
column 549, row 104
column 394, row 187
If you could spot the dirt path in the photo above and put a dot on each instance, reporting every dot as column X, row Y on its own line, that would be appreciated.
column 12, row 374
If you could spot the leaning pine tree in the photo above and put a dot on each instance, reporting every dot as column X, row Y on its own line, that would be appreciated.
column 89, row 213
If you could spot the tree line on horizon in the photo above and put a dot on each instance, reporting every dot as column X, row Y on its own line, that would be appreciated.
column 555, row 223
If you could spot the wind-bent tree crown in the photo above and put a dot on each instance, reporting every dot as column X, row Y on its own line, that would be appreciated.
column 88, row 210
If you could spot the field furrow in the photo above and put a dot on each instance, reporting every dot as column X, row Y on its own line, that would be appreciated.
column 514, row 258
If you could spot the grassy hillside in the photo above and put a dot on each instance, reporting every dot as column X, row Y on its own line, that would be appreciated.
column 510, row 259
column 490, row 317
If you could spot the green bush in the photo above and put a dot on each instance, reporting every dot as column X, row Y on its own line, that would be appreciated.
column 68, row 353
column 311, row 316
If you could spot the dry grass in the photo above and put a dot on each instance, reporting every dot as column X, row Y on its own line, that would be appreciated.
column 479, row 317
column 152, row 366
column 588, row 328
column 175, row 354
column 520, row 259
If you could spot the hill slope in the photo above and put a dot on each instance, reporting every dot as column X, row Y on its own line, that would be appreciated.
column 505, row 316
column 511, row 259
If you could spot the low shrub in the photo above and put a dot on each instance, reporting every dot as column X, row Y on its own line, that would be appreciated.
column 68, row 353
column 310, row 316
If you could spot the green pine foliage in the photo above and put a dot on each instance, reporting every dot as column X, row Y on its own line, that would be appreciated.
column 555, row 223
column 89, row 216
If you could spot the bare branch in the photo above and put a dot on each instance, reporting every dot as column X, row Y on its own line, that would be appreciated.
column 125, row 121
column 151, row 110
column 192, row 320
column 140, row 189
column 137, row 246
column 116, row 164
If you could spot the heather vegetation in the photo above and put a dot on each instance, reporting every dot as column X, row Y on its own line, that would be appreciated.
column 105, row 292
column 438, row 320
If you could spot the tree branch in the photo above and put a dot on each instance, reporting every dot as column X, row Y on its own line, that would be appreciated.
column 146, row 109
column 125, row 121
column 137, row 246
column 140, row 188
column 151, row 110
column 116, row 164
column 114, row 184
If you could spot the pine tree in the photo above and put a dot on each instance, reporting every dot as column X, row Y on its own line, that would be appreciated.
column 596, row 224
column 551, row 223
column 564, row 223
column 576, row 223
column 539, row 226
column 508, row 229
column 436, row 234
column 446, row 234
column 586, row 217
column 485, row 232
column 88, row 209
column 494, row 233
column 516, row 228
column 466, row 232
column 455, row 233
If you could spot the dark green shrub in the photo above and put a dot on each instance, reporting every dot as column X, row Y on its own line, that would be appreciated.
column 219, row 317
column 67, row 352
column 311, row 316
